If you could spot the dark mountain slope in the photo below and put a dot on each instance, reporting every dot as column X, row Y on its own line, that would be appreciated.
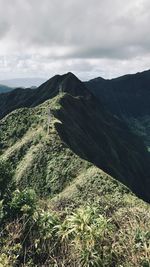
column 19, row 98
column 86, row 127
column 97, row 136
column 128, row 95
column 47, row 230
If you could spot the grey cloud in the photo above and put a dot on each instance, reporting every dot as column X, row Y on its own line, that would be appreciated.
column 4, row 28
column 76, row 23
column 49, row 32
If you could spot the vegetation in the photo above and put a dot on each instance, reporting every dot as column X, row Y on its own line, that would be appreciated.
column 5, row 178
column 141, row 127
column 31, row 145
column 59, row 210
column 81, row 226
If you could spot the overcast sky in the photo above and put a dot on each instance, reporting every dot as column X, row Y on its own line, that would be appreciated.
column 39, row 38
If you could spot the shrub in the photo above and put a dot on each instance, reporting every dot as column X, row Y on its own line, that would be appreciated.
column 5, row 178
column 23, row 202
column 85, row 229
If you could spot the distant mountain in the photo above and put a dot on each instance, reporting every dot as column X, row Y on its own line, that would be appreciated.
column 23, row 82
column 81, row 122
column 5, row 89
column 127, row 97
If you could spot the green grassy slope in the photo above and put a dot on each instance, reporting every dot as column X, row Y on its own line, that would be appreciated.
column 42, row 160
column 85, row 126
column 128, row 241
column 39, row 159
column 67, row 188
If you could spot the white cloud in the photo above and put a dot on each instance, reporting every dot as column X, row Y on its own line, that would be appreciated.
column 88, row 37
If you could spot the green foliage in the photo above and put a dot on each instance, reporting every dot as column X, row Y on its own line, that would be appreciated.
column 82, row 237
column 39, row 160
column 1, row 210
column 77, row 238
column 4, row 260
column 141, row 127
column 63, row 211
column 47, row 222
column 5, row 178
column 23, row 202
column 85, row 229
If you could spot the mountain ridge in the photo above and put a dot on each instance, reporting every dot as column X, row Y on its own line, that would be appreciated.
column 85, row 129
column 19, row 97
column 128, row 95
column 52, row 194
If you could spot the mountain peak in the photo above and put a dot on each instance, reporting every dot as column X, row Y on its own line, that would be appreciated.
column 70, row 74
column 67, row 83
column 73, row 86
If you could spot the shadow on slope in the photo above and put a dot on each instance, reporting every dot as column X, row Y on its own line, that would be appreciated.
column 97, row 136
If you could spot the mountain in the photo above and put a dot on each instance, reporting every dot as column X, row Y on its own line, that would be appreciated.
column 58, row 203
column 32, row 97
column 128, row 97
column 5, row 89
column 97, row 136
column 86, row 127
column 23, row 82
column 52, row 187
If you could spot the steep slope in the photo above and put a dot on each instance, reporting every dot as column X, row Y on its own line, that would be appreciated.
column 74, row 196
column 85, row 126
column 40, row 160
column 126, row 243
column 127, row 97
column 45, row 237
column 104, row 140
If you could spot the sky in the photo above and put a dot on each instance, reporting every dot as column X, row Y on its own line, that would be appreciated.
column 91, row 38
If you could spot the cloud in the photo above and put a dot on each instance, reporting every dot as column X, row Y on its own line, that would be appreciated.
column 43, row 36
